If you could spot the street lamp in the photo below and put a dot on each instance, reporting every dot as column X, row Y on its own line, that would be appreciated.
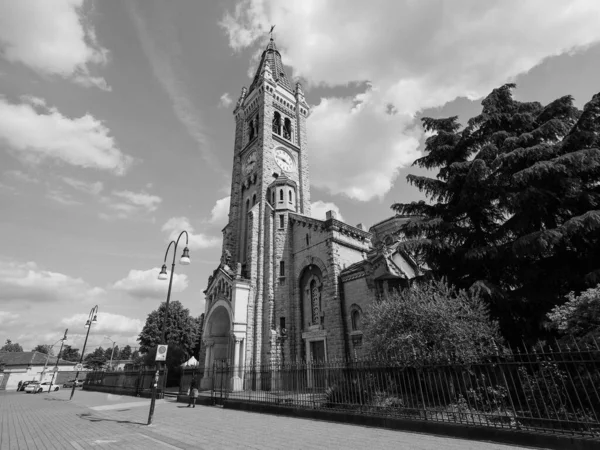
column 112, row 352
column 57, row 359
column 184, row 260
column 92, row 319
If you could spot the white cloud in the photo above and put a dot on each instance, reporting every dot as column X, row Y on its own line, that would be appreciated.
column 125, row 204
column 220, row 212
column 319, row 209
column 21, row 176
column 61, row 197
column 175, row 225
column 28, row 282
column 145, row 283
column 84, row 186
column 53, row 38
column 419, row 55
column 48, row 135
column 8, row 318
column 225, row 100
column 107, row 323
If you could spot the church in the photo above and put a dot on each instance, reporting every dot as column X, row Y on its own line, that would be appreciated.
column 289, row 287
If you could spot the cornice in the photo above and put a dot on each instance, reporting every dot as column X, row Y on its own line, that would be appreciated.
column 286, row 142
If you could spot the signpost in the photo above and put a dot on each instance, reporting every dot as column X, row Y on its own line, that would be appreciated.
column 161, row 353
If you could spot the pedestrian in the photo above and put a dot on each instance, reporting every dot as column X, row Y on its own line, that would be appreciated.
column 193, row 393
column 19, row 387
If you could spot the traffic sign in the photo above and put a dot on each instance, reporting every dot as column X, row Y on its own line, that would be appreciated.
column 78, row 367
column 161, row 353
column 55, row 369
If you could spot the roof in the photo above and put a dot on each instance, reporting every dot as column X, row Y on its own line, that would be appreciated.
column 29, row 359
column 272, row 57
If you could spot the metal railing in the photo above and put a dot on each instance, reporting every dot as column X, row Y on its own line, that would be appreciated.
column 550, row 389
column 137, row 382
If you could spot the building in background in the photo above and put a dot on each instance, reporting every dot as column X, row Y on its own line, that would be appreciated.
column 289, row 287
column 28, row 366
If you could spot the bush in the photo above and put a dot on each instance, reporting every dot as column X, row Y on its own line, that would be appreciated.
column 431, row 318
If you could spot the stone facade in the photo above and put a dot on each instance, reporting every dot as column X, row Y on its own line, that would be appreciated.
column 288, row 287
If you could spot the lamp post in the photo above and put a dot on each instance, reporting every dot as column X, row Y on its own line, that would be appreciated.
column 112, row 352
column 92, row 318
column 184, row 260
column 58, row 359
column 43, row 374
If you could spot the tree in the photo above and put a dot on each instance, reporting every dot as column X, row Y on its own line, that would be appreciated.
column 182, row 329
column 125, row 353
column 10, row 347
column 109, row 351
column 96, row 359
column 578, row 320
column 514, row 206
column 70, row 354
column 430, row 318
column 44, row 348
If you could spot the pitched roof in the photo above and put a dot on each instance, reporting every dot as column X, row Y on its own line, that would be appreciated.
column 272, row 57
column 29, row 359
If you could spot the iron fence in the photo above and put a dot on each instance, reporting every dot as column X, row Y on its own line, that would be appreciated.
column 137, row 382
column 551, row 389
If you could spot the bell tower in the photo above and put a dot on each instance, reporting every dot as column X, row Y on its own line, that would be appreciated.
column 270, row 179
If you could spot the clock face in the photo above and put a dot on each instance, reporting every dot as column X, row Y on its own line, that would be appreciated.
column 249, row 163
column 284, row 160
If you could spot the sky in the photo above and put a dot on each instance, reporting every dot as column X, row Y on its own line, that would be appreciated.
column 116, row 128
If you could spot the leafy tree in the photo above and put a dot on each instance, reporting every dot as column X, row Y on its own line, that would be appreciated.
column 182, row 329
column 96, row 359
column 109, row 351
column 70, row 354
column 125, row 353
column 579, row 318
column 514, row 206
column 44, row 348
column 429, row 318
column 10, row 347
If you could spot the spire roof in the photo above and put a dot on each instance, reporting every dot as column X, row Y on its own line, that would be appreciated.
column 272, row 57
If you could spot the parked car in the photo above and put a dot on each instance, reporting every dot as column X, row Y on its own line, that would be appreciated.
column 68, row 384
column 25, row 383
column 41, row 387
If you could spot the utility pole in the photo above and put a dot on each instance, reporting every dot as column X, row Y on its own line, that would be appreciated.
column 58, row 359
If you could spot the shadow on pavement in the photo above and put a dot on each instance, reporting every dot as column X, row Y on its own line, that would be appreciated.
column 89, row 417
column 50, row 399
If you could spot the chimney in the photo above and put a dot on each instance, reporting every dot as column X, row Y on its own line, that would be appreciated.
column 330, row 215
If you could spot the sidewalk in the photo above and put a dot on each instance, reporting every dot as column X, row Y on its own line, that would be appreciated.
column 104, row 421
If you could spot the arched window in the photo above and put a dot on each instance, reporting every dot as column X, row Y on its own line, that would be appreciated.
column 290, row 196
column 355, row 320
column 307, row 239
column 273, row 198
column 251, row 130
column 282, row 268
column 315, row 301
column 254, row 200
column 256, row 125
column 277, row 123
column 287, row 129
column 280, row 195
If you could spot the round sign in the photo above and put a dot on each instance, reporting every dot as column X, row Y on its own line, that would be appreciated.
column 55, row 369
column 162, row 349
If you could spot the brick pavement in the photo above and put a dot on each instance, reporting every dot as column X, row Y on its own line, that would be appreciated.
column 103, row 421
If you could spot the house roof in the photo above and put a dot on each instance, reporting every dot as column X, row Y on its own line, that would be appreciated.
column 30, row 359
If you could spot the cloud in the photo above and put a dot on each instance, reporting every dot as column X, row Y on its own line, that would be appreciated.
column 21, row 176
column 175, row 225
column 160, row 42
column 61, row 197
column 107, row 323
column 30, row 283
column 84, row 186
column 145, row 284
column 125, row 204
column 463, row 50
column 225, row 100
column 48, row 135
column 220, row 212
column 319, row 208
column 8, row 318
column 52, row 38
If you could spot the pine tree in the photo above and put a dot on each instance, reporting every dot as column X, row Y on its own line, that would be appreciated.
column 514, row 207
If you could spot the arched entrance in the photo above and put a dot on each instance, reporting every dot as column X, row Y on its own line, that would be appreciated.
column 217, row 338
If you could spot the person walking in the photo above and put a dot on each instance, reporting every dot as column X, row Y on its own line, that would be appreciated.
column 193, row 393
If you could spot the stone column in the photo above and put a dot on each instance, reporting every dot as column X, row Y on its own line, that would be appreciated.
column 238, row 369
column 207, row 379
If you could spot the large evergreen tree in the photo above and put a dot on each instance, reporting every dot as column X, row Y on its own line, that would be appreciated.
column 515, row 206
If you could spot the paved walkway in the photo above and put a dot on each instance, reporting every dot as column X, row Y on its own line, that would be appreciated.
column 103, row 421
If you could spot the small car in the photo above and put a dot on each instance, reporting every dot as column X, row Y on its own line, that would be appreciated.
column 25, row 383
column 41, row 387
column 68, row 384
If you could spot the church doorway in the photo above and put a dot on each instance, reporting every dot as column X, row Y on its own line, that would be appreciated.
column 217, row 338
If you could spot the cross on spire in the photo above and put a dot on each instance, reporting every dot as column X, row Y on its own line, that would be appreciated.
column 271, row 31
